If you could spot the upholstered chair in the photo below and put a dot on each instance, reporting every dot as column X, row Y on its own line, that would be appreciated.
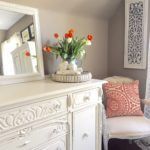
column 124, row 127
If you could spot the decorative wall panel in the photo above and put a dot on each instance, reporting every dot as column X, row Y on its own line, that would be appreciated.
column 136, row 33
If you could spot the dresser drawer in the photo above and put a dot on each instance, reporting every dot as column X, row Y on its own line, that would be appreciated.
column 31, row 138
column 84, row 98
column 84, row 134
column 28, row 113
column 58, row 144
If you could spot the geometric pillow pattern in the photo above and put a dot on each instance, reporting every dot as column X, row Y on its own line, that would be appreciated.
column 122, row 99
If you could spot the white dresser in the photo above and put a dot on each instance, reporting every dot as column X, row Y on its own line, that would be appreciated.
column 46, row 115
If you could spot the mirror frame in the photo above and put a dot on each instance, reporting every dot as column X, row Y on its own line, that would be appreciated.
column 26, row 77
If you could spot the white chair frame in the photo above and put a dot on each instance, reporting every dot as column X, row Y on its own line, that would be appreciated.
column 106, row 133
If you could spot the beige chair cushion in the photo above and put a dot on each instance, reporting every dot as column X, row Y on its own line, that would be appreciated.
column 119, row 79
column 128, row 127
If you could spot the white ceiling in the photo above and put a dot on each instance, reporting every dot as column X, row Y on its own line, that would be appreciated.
column 96, row 8
column 7, row 19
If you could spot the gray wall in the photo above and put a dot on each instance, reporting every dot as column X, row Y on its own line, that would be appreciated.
column 96, row 58
column 107, row 51
column 51, row 22
column 20, row 25
column 116, row 50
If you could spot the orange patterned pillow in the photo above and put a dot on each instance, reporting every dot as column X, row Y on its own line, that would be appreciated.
column 122, row 99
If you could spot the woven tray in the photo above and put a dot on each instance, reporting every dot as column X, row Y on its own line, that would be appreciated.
column 85, row 76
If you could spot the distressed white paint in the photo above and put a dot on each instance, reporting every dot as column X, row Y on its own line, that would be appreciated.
column 66, row 116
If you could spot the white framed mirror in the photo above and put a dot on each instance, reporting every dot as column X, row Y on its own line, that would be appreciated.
column 20, row 44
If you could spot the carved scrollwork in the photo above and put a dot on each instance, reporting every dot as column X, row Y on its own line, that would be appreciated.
column 24, row 115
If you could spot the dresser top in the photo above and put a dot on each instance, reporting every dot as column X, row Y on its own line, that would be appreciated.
column 16, row 93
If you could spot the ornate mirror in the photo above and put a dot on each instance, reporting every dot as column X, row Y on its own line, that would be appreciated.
column 20, row 44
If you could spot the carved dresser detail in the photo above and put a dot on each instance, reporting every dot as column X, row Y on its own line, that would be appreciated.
column 46, row 115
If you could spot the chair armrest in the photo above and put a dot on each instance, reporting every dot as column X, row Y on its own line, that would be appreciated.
column 146, row 102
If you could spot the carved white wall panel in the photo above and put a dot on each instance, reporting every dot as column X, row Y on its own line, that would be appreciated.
column 136, row 13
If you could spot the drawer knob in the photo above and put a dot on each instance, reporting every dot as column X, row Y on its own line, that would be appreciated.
column 25, row 143
column 57, row 106
column 55, row 131
column 85, row 135
column 58, row 148
column 86, row 98
column 22, row 133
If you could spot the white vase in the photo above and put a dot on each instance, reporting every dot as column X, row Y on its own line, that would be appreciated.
column 63, row 66
column 72, row 66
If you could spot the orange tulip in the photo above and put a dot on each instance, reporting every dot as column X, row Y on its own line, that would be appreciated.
column 66, row 35
column 47, row 49
column 70, row 35
column 44, row 48
column 90, row 37
column 71, row 31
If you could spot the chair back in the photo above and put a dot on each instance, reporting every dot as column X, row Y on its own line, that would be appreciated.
column 118, row 79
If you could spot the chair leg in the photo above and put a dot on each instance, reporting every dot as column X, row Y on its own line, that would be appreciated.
column 130, row 142
column 105, row 142
column 105, row 129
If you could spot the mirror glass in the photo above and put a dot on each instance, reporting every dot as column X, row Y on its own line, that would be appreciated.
column 18, row 53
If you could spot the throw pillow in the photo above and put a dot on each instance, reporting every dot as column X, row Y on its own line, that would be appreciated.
column 122, row 99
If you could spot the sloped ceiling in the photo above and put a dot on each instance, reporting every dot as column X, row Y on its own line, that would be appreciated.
column 7, row 19
column 96, row 8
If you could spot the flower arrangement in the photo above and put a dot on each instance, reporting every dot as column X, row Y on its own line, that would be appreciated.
column 70, row 47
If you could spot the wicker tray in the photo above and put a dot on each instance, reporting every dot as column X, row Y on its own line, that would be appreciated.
column 85, row 76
